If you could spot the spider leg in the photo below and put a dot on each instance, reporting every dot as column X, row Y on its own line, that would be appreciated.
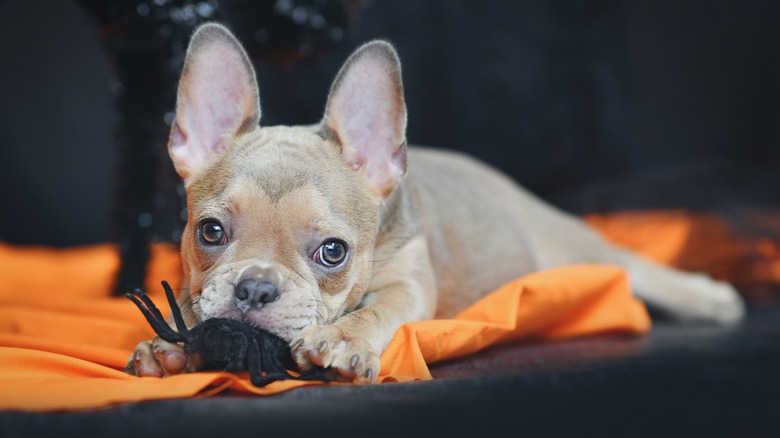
column 316, row 373
column 271, row 359
column 255, row 366
column 175, row 309
column 260, row 380
column 153, row 316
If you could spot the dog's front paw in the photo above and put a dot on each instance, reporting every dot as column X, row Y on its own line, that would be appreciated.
column 160, row 358
column 328, row 346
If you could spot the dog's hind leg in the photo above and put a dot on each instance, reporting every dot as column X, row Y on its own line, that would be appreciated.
column 683, row 296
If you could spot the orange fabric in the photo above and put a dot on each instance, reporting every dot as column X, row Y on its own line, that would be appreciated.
column 64, row 340
column 658, row 235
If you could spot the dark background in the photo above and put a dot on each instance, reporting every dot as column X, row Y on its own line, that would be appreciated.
column 594, row 105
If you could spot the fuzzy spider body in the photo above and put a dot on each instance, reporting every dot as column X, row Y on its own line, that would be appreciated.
column 226, row 344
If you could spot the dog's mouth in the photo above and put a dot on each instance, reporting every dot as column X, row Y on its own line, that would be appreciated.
column 280, row 317
column 256, row 316
column 283, row 311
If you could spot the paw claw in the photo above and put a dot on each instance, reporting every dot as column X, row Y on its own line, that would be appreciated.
column 367, row 378
column 350, row 356
column 355, row 359
column 323, row 346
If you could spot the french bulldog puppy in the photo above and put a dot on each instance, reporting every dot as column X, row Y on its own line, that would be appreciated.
column 323, row 235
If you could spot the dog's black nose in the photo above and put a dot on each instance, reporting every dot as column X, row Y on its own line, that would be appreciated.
column 256, row 292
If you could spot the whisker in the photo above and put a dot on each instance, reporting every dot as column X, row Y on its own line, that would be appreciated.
column 320, row 316
column 188, row 306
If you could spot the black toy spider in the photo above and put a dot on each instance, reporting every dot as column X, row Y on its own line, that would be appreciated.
column 226, row 344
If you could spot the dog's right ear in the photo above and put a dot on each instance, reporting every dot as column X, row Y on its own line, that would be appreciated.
column 217, row 100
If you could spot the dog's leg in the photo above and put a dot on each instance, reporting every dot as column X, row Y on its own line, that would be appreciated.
column 158, row 358
column 683, row 296
column 402, row 289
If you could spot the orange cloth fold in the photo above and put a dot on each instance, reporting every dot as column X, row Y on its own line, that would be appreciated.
column 64, row 340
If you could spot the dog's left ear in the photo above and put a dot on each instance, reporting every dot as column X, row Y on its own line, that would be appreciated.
column 366, row 115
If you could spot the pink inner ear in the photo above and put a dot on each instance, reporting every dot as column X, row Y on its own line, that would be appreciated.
column 216, row 97
column 368, row 113
column 222, row 94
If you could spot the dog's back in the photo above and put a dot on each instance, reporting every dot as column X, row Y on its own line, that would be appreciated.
column 483, row 230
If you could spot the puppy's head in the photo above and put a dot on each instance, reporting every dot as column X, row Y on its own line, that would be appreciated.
column 283, row 220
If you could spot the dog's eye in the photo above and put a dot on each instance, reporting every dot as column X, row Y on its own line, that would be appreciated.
column 331, row 253
column 211, row 232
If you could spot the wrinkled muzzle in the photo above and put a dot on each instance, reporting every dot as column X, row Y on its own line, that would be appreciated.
column 264, row 294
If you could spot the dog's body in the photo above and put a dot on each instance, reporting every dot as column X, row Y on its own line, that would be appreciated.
column 321, row 236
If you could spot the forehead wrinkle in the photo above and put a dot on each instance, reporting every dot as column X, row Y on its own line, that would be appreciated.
column 287, row 177
column 281, row 169
column 243, row 191
column 216, row 206
column 314, row 209
column 309, row 209
column 264, row 232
